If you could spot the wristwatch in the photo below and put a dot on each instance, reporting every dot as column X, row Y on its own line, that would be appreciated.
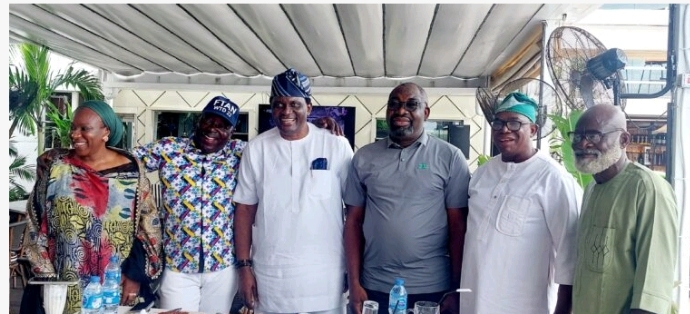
column 243, row 263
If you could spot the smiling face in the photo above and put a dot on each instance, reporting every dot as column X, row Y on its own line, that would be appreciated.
column 290, row 116
column 87, row 132
column 515, row 146
column 406, row 112
column 212, row 133
column 606, row 143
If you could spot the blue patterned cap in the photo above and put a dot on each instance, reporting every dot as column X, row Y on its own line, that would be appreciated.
column 291, row 84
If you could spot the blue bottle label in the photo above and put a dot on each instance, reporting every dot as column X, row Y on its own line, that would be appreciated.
column 111, row 297
column 92, row 301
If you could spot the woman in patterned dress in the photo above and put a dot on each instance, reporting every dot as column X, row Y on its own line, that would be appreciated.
column 94, row 201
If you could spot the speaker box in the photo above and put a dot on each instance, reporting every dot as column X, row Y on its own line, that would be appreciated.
column 459, row 136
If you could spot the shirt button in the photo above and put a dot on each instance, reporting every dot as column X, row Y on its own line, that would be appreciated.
column 402, row 159
column 494, row 196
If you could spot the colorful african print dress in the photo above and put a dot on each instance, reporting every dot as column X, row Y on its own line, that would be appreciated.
column 86, row 217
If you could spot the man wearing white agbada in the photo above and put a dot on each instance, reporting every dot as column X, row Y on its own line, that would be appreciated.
column 521, row 226
column 289, row 209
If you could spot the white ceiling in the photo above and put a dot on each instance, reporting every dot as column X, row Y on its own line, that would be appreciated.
column 457, row 44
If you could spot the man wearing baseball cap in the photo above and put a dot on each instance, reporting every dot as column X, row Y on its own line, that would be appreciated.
column 198, row 176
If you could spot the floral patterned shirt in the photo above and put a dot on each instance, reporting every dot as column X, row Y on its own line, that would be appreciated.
column 197, row 199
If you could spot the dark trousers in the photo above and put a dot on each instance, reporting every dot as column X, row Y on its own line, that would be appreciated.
column 382, row 298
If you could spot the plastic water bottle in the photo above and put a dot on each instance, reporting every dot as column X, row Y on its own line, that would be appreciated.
column 113, row 268
column 398, row 298
column 111, row 286
column 92, row 299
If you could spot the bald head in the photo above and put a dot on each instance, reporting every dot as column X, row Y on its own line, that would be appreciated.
column 408, row 87
column 602, row 117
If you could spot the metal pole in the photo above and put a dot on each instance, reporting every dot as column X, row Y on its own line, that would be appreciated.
column 670, row 115
column 543, row 74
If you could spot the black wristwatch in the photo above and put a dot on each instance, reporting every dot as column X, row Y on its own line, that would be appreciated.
column 243, row 263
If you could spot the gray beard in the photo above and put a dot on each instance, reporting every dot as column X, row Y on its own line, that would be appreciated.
column 601, row 163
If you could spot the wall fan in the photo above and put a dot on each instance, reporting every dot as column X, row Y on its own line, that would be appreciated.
column 582, row 70
column 487, row 102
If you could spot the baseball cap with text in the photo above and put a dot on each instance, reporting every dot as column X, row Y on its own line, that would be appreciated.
column 223, row 108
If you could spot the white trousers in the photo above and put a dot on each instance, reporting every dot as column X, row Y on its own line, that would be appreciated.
column 339, row 310
column 211, row 292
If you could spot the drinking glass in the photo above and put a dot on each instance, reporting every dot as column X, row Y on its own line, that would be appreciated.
column 370, row 307
column 425, row 307
column 54, row 298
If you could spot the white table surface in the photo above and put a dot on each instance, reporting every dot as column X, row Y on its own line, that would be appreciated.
column 125, row 310
column 18, row 206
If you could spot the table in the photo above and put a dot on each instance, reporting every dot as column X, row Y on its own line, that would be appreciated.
column 125, row 310
column 18, row 207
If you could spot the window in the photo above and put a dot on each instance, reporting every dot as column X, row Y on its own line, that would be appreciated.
column 181, row 124
column 644, row 77
column 451, row 131
column 128, row 135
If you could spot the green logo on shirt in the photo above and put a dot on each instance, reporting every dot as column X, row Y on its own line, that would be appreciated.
column 423, row 166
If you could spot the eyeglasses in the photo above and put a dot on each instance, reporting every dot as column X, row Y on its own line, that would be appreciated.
column 593, row 137
column 513, row 125
column 410, row 105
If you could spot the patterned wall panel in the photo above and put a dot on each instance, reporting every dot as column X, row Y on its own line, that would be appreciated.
column 369, row 107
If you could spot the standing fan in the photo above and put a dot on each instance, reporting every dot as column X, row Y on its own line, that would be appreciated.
column 582, row 70
column 487, row 102
column 549, row 102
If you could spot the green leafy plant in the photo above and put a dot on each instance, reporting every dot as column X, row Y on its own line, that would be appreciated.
column 32, row 82
column 561, row 146
column 61, row 123
column 19, row 170
column 482, row 159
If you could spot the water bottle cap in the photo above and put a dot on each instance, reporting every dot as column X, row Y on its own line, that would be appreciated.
column 399, row 281
column 114, row 258
column 95, row 279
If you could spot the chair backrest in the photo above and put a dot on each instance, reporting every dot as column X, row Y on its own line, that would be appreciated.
column 17, row 235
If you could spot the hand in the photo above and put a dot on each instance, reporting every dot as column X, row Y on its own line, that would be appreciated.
column 130, row 291
column 357, row 297
column 450, row 303
column 329, row 124
column 248, row 290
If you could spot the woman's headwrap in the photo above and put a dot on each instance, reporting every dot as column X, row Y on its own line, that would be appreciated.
column 291, row 84
column 109, row 118
column 519, row 103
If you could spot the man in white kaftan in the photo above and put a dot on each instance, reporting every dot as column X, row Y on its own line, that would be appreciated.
column 521, row 227
column 290, row 211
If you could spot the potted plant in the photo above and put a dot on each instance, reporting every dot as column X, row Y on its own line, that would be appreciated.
column 33, row 82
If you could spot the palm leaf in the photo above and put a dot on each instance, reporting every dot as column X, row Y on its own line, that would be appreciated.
column 33, row 82
column 563, row 145
column 62, row 123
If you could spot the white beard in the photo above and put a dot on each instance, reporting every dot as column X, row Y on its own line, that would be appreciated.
column 601, row 163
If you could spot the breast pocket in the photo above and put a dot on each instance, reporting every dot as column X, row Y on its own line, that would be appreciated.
column 321, row 182
column 512, row 215
column 599, row 247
